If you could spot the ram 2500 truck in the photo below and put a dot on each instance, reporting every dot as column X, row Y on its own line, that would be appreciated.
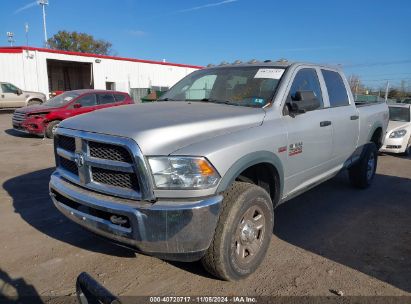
column 198, row 174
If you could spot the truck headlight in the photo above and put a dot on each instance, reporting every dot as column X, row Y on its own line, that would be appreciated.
column 398, row 134
column 182, row 172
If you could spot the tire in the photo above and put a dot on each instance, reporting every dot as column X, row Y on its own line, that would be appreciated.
column 50, row 127
column 34, row 102
column 362, row 174
column 243, row 233
column 407, row 151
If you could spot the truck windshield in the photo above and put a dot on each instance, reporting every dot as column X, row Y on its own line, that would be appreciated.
column 240, row 86
column 399, row 114
column 62, row 99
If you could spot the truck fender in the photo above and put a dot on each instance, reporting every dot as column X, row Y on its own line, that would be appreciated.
column 247, row 161
column 372, row 131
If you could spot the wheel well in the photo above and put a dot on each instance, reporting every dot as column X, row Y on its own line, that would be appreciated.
column 35, row 99
column 264, row 175
column 377, row 138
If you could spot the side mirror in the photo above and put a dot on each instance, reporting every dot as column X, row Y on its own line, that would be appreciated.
column 77, row 106
column 19, row 92
column 304, row 101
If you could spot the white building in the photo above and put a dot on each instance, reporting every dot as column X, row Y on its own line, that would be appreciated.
column 46, row 70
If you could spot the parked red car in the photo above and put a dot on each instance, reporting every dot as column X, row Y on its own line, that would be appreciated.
column 43, row 119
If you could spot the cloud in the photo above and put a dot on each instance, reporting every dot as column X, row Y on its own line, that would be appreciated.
column 196, row 8
column 137, row 33
column 23, row 8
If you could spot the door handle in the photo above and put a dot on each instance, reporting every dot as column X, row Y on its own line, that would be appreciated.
column 325, row 123
column 354, row 117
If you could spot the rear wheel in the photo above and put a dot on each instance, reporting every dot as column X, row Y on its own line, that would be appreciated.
column 51, row 127
column 362, row 173
column 243, row 232
column 34, row 102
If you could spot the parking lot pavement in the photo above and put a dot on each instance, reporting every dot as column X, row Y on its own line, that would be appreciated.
column 333, row 237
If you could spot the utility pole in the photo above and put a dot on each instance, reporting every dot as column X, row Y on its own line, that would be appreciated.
column 43, row 4
column 386, row 91
column 10, row 38
column 26, row 28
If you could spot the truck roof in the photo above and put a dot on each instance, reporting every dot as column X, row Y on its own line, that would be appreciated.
column 268, row 63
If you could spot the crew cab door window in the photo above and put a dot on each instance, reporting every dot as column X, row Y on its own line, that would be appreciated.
column 337, row 93
column 306, row 80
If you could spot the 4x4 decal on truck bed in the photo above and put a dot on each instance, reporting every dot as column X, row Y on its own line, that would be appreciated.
column 295, row 149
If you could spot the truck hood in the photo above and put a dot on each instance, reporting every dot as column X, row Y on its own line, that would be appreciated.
column 161, row 128
column 397, row 125
column 36, row 109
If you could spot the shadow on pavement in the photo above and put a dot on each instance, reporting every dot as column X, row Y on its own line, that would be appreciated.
column 367, row 230
column 15, row 133
column 17, row 290
column 31, row 200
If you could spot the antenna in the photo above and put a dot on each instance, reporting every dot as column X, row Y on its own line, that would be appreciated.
column 43, row 4
column 10, row 38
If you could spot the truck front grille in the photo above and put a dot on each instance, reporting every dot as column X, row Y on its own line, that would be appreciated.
column 68, row 165
column 66, row 143
column 18, row 117
column 110, row 152
column 115, row 178
column 100, row 163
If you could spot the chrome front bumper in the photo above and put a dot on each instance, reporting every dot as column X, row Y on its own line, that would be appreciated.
column 176, row 230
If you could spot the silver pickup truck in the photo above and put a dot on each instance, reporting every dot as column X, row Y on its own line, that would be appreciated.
column 198, row 174
column 13, row 97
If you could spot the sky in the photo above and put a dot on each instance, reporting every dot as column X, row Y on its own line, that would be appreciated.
column 369, row 38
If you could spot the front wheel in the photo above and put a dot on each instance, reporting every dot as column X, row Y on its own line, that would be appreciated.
column 243, row 232
column 51, row 127
column 362, row 174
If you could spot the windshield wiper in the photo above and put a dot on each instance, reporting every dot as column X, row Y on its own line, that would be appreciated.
column 227, row 102
column 166, row 99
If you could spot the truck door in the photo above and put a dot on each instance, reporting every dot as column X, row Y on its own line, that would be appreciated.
column 343, row 115
column 10, row 97
column 309, row 135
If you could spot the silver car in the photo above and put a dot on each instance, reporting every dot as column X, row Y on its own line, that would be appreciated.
column 398, row 136
column 13, row 97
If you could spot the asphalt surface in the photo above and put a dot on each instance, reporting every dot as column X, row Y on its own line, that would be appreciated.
column 332, row 238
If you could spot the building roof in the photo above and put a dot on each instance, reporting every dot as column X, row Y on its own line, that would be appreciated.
column 20, row 49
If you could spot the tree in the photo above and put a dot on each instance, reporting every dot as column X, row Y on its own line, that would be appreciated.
column 79, row 42
column 356, row 85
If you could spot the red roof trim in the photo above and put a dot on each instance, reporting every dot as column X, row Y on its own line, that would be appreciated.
column 10, row 51
column 20, row 49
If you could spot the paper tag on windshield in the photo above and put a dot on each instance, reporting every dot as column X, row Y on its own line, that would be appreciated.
column 269, row 73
